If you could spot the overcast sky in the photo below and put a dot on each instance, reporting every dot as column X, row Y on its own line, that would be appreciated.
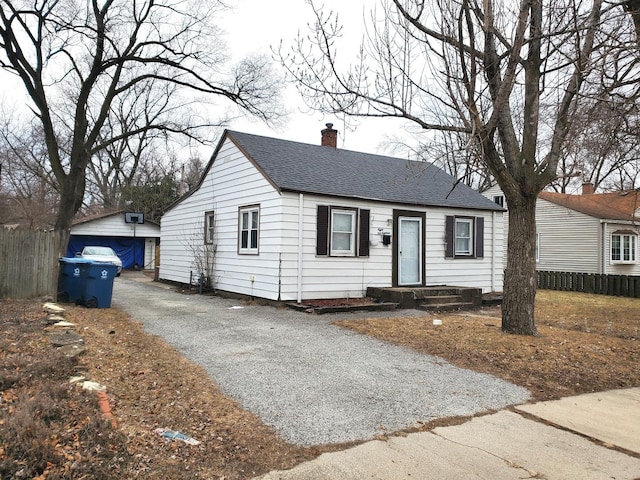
column 256, row 25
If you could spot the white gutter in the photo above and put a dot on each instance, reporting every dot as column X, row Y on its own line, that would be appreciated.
column 300, row 225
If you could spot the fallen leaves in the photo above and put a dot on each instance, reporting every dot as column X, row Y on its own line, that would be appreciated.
column 586, row 344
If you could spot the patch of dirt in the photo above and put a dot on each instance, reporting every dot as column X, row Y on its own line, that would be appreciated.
column 587, row 343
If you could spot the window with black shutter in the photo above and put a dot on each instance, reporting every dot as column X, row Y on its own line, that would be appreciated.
column 342, row 231
column 322, row 230
column 464, row 237
column 363, row 234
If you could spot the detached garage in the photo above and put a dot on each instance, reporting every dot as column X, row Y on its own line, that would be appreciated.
column 130, row 235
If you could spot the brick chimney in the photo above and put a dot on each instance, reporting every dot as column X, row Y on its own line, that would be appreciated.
column 329, row 136
column 587, row 188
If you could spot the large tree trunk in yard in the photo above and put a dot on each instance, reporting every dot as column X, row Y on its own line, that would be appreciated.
column 72, row 189
column 520, row 278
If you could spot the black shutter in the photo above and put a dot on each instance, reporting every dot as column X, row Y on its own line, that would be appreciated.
column 449, row 237
column 363, row 236
column 479, row 250
column 322, row 230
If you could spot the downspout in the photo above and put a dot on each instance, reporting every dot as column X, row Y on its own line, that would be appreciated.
column 603, row 239
column 493, row 251
column 300, row 225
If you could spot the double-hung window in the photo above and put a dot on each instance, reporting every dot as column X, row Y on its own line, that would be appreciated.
column 343, row 233
column 623, row 247
column 463, row 237
column 249, row 230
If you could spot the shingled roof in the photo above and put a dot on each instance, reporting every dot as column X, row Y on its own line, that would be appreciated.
column 325, row 170
column 605, row 206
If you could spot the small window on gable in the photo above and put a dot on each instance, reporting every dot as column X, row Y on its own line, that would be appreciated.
column 464, row 237
column 342, row 232
column 249, row 229
column 499, row 199
column 208, row 227
column 624, row 247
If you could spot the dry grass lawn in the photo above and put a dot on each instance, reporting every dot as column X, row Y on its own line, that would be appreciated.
column 586, row 343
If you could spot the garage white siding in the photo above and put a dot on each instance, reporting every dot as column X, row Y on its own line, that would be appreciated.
column 115, row 226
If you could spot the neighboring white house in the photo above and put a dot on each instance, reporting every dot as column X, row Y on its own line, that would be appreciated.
column 289, row 221
column 134, row 242
column 585, row 233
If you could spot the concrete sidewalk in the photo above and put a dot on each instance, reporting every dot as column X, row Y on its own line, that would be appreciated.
column 592, row 436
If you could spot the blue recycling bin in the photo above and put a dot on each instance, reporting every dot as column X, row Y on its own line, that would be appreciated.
column 98, row 285
column 71, row 279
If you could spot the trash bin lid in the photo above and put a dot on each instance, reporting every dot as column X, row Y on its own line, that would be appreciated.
column 74, row 260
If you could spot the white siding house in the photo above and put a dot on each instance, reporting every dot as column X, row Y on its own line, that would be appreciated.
column 135, row 243
column 587, row 233
column 289, row 221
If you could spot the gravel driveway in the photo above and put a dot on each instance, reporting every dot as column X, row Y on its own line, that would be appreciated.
column 315, row 383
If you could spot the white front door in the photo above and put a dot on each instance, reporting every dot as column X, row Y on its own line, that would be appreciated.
column 409, row 251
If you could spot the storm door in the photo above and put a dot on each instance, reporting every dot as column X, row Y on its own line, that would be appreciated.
column 409, row 251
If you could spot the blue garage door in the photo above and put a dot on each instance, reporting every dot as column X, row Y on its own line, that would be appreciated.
column 130, row 250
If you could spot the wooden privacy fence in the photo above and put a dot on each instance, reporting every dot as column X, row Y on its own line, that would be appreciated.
column 28, row 263
column 616, row 285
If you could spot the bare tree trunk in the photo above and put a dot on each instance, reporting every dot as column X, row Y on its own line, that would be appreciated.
column 71, row 195
column 520, row 278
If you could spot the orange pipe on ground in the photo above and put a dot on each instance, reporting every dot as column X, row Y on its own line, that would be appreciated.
column 105, row 408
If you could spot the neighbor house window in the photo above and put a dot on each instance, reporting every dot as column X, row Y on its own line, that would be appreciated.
column 342, row 232
column 464, row 237
column 208, row 227
column 623, row 247
column 499, row 199
column 249, row 230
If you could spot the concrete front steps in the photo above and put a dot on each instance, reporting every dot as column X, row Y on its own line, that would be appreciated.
column 441, row 298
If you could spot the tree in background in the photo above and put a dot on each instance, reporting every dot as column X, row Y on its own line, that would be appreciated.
column 152, row 195
column 84, row 64
column 509, row 76
column 604, row 147
column 27, row 190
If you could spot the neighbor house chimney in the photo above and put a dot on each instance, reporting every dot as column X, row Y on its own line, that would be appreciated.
column 329, row 136
column 587, row 188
